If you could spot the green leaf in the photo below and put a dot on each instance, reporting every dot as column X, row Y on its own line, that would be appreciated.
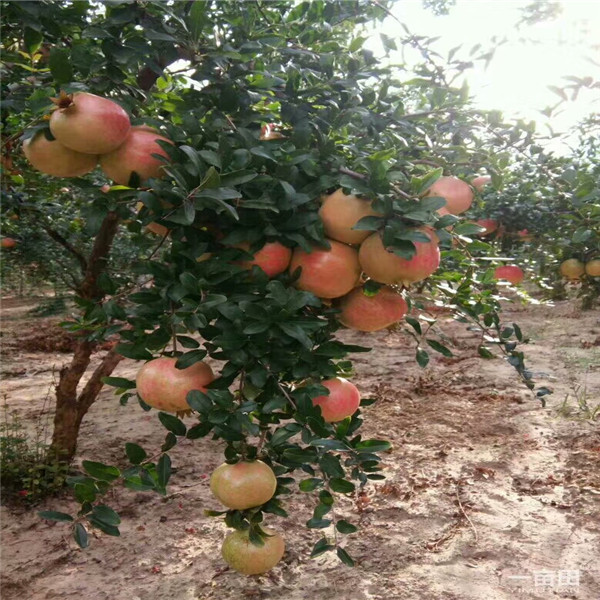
column 344, row 557
column 163, row 469
column 345, row 527
column 342, row 486
column 429, row 179
column 197, row 19
column 308, row 485
column 60, row 65
column 106, row 514
column 318, row 523
column 172, row 423
column 100, row 470
column 119, row 382
column 32, row 40
column 422, row 357
column 81, row 536
column 439, row 347
column 53, row 515
column 414, row 323
column 321, row 547
column 136, row 454
column 373, row 445
column 485, row 352
column 199, row 401
column 190, row 358
column 105, row 527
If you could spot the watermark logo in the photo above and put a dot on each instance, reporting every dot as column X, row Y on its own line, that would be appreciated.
column 544, row 581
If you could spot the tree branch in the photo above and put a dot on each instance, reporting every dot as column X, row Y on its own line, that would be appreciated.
column 96, row 263
column 94, row 385
column 57, row 237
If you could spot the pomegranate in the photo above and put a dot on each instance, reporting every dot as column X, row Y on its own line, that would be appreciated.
column 327, row 273
column 161, row 385
column 480, row 182
column 8, row 243
column 248, row 558
column 273, row 258
column 489, row 224
column 340, row 213
column 88, row 123
column 371, row 313
column 52, row 158
column 386, row 267
column 592, row 267
column 343, row 400
column 572, row 269
column 135, row 155
column 510, row 273
column 457, row 193
column 524, row 235
column 244, row 484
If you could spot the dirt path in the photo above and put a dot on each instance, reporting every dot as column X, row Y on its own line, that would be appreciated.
column 482, row 486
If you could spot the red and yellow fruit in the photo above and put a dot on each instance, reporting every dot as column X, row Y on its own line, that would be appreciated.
column 273, row 258
column 52, row 158
column 510, row 273
column 572, row 269
column 457, row 193
column 327, row 273
column 135, row 155
column 340, row 213
column 88, row 123
column 371, row 312
column 343, row 400
column 161, row 385
column 386, row 267
column 8, row 242
column 249, row 559
column 489, row 224
column 244, row 484
column 592, row 267
column 480, row 182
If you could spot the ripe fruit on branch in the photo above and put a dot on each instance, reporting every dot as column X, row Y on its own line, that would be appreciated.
column 273, row 258
column 371, row 312
column 340, row 213
column 343, row 400
column 52, row 158
column 489, row 224
column 244, row 484
column 88, row 123
column 510, row 273
column 592, row 267
column 248, row 558
column 524, row 235
column 386, row 267
column 457, row 193
column 572, row 269
column 161, row 385
column 480, row 182
column 327, row 273
column 135, row 155
column 8, row 243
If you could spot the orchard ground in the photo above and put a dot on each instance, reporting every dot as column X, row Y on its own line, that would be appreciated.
column 482, row 483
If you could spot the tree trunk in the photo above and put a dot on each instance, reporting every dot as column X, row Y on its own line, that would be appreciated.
column 71, row 407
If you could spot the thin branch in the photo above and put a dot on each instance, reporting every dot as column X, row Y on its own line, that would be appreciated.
column 57, row 237
column 351, row 173
column 162, row 241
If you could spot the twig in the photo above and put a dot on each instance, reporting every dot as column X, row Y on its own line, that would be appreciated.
column 261, row 440
column 159, row 245
column 462, row 510
column 351, row 173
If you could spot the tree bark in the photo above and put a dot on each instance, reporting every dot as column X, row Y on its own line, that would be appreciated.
column 71, row 408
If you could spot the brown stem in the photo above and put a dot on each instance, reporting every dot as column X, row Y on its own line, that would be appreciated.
column 97, row 261
column 94, row 385
column 57, row 237
column 352, row 173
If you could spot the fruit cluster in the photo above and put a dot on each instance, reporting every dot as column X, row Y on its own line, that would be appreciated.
column 573, row 269
column 88, row 129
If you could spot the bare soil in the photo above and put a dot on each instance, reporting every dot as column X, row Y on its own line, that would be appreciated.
column 484, row 489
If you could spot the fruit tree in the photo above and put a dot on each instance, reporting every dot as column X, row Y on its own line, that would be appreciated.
column 298, row 185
